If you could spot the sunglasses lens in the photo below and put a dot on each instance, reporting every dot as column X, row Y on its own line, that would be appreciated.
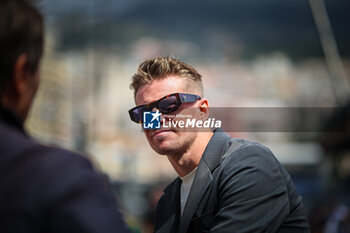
column 138, row 113
column 169, row 104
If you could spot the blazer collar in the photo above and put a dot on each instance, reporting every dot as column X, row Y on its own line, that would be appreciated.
column 9, row 118
column 210, row 160
column 214, row 150
column 170, row 209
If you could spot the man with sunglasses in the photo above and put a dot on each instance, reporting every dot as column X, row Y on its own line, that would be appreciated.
column 224, row 184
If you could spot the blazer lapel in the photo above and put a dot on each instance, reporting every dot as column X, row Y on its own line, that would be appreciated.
column 169, row 212
column 200, row 184
column 210, row 160
column 169, row 226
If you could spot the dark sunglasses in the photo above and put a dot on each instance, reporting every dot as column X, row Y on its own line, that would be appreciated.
column 167, row 104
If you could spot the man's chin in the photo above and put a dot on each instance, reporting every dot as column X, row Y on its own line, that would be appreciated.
column 163, row 141
column 162, row 137
column 163, row 149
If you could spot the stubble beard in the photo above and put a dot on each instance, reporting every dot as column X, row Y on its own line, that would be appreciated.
column 176, row 148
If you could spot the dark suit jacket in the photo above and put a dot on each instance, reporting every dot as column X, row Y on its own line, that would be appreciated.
column 239, row 187
column 43, row 189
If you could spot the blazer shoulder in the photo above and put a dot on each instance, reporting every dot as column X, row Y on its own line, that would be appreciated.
column 58, row 156
column 18, row 146
column 242, row 155
column 234, row 145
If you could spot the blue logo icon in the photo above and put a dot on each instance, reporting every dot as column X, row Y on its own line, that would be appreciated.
column 151, row 120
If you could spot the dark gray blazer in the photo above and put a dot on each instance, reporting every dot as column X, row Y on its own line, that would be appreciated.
column 45, row 189
column 239, row 187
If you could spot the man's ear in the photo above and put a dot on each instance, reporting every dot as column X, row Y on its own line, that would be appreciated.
column 20, row 75
column 204, row 109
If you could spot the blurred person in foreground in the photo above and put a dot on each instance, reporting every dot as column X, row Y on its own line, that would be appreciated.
column 42, row 189
column 224, row 184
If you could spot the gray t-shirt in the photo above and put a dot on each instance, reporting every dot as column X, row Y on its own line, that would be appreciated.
column 186, row 187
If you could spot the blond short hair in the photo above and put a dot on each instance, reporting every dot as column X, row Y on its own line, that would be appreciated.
column 162, row 67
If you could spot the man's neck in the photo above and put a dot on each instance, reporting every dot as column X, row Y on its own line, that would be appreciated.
column 185, row 163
